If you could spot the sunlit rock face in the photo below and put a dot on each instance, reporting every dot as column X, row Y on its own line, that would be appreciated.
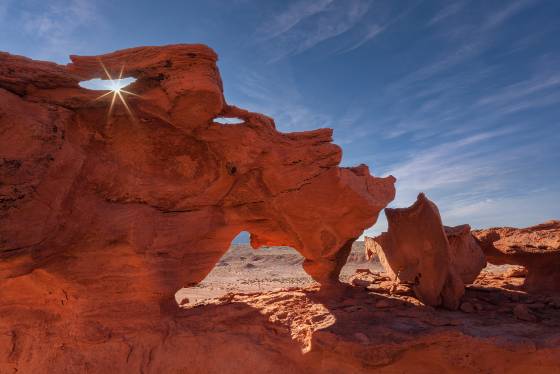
column 140, row 193
column 417, row 249
column 537, row 248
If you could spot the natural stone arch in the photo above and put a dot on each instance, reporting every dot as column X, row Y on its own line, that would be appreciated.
column 160, row 189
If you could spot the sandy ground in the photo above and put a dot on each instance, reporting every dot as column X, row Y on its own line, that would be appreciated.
column 243, row 269
column 246, row 270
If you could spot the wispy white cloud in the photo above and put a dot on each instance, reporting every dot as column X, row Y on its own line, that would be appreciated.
column 55, row 24
column 472, row 40
column 511, row 9
column 308, row 23
column 521, row 90
column 520, row 210
column 466, row 164
column 280, row 100
column 447, row 11
column 439, row 98
column 371, row 31
column 531, row 104
column 291, row 17
column 444, row 164
column 446, row 61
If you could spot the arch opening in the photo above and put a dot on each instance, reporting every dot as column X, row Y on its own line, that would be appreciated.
column 243, row 269
column 229, row 120
column 98, row 84
column 357, row 260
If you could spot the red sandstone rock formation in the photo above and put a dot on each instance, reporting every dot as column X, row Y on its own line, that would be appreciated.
column 105, row 213
column 537, row 248
column 163, row 187
column 466, row 255
column 417, row 249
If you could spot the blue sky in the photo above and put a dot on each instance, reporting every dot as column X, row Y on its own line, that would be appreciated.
column 458, row 99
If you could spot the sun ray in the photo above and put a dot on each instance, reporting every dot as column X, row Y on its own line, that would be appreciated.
column 116, row 90
column 106, row 71
column 128, row 92
column 125, row 104
column 112, row 104
column 102, row 96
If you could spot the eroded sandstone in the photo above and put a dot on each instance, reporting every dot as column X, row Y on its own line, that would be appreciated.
column 536, row 248
column 161, row 185
column 111, row 203
column 418, row 250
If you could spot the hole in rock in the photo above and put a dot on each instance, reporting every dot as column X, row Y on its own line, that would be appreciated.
column 242, row 238
column 106, row 84
column 228, row 120
column 357, row 260
column 243, row 269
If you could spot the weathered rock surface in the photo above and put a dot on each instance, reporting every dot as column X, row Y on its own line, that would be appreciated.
column 297, row 330
column 107, row 209
column 466, row 256
column 537, row 248
column 163, row 186
column 416, row 249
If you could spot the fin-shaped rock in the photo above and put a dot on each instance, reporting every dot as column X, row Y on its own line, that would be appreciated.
column 417, row 249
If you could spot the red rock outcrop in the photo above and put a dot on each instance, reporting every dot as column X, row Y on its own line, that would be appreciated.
column 417, row 249
column 109, row 206
column 537, row 248
column 163, row 185
column 466, row 256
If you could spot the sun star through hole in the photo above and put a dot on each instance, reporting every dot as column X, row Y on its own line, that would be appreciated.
column 115, row 87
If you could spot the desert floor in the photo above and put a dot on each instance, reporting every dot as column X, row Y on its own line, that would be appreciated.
column 243, row 270
column 246, row 270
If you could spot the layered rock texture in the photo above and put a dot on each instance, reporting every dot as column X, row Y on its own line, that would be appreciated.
column 537, row 248
column 156, row 188
column 109, row 203
column 418, row 250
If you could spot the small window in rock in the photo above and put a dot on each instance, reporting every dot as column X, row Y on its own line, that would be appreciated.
column 228, row 120
column 106, row 84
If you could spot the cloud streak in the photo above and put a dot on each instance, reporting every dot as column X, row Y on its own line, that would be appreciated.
column 473, row 40
column 56, row 24
column 499, row 17
column 308, row 23
column 448, row 164
column 447, row 11
column 291, row 17
column 284, row 103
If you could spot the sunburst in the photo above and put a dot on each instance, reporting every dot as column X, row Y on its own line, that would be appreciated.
column 117, row 90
